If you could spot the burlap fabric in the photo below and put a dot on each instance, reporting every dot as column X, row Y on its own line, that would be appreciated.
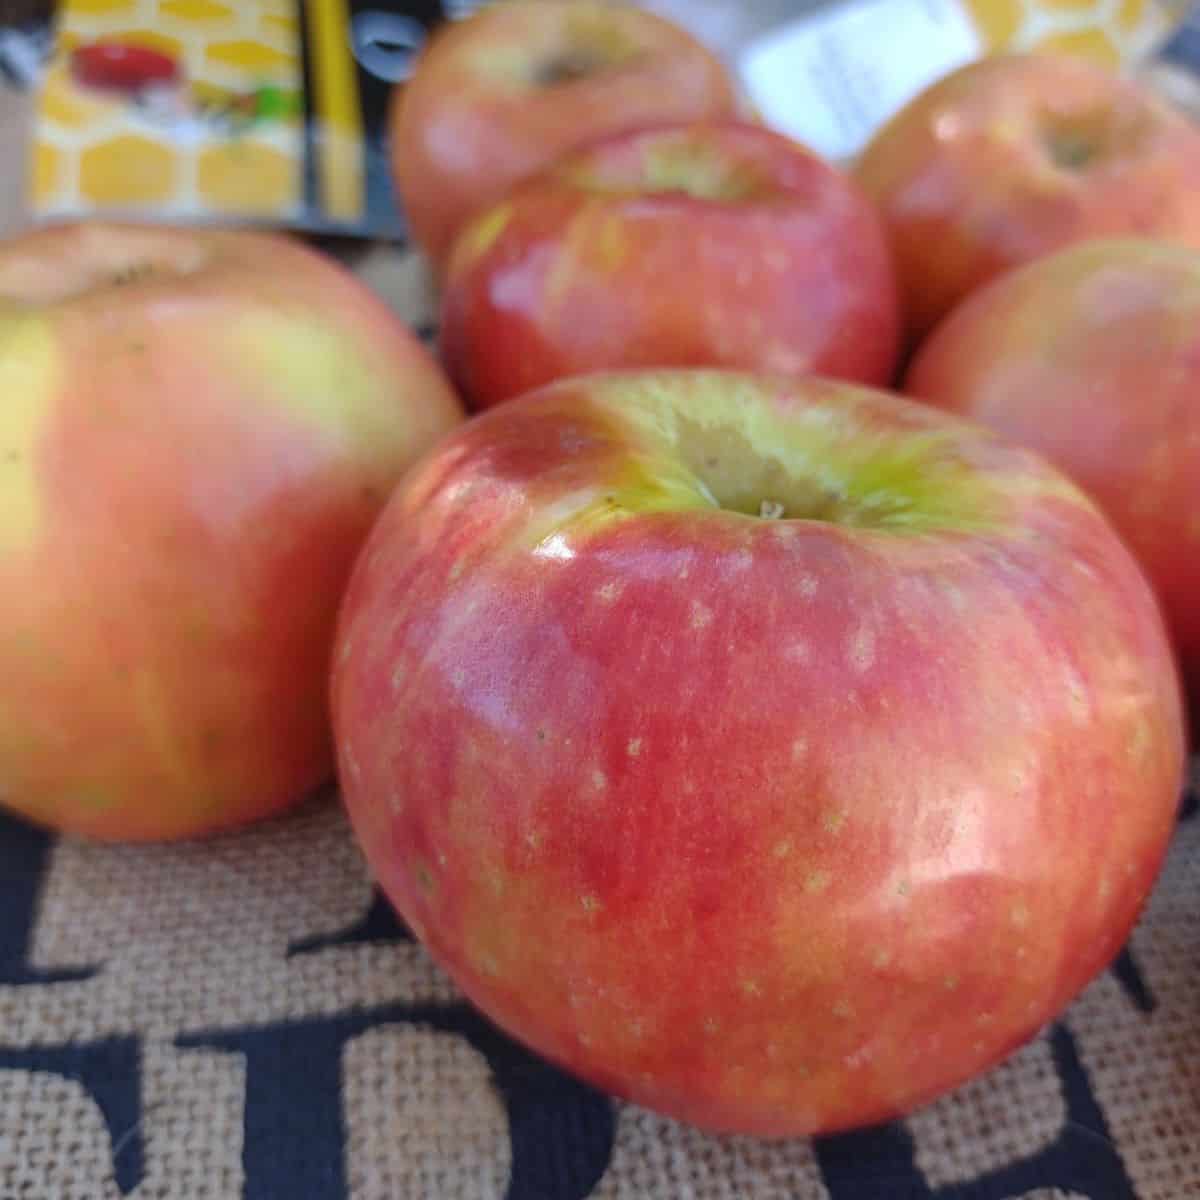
column 244, row 1018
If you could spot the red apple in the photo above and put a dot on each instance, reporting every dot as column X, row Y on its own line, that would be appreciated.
column 197, row 430
column 1092, row 357
column 1013, row 157
column 715, row 244
column 776, row 754
column 501, row 94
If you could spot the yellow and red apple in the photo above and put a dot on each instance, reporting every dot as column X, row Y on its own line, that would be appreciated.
column 501, row 94
column 1092, row 357
column 1015, row 156
column 197, row 430
column 706, row 244
column 775, row 753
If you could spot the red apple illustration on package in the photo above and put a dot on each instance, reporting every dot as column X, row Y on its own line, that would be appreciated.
column 118, row 66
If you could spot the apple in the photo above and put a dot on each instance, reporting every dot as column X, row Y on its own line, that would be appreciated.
column 502, row 93
column 197, row 430
column 710, row 244
column 1091, row 356
column 1013, row 157
column 774, row 753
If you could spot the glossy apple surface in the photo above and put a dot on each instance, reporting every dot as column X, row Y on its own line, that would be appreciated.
column 779, row 823
column 1014, row 157
column 714, row 244
column 1092, row 357
column 503, row 93
column 197, row 430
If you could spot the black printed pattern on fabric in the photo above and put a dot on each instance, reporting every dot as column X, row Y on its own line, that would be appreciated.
column 24, row 852
column 1191, row 804
column 379, row 924
column 1127, row 973
column 876, row 1163
column 109, row 1071
column 561, row 1131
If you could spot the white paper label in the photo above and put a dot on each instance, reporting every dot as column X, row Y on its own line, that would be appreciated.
column 831, row 79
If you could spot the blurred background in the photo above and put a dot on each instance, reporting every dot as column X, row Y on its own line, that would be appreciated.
column 274, row 111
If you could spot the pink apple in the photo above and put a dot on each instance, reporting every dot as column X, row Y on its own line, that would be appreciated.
column 1092, row 356
column 774, row 753
column 498, row 96
column 1016, row 156
column 197, row 430
column 712, row 244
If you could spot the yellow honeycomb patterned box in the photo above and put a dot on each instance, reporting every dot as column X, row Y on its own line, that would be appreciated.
column 220, row 110
column 276, row 110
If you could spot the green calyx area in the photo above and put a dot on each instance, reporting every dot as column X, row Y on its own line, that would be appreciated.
column 702, row 172
column 670, row 164
column 718, row 440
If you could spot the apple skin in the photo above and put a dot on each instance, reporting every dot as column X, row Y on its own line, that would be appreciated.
column 1091, row 356
column 477, row 115
column 774, row 826
column 1016, row 156
column 198, row 429
column 713, row 244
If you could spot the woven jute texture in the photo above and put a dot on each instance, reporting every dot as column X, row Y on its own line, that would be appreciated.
column 244, row 1017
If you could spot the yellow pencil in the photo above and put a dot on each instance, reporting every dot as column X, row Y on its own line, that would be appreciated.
column 337, row 109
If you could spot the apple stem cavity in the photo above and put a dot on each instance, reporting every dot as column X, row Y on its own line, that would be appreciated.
column 569, row 68
column 1071, row 151
column 1074, row 141
column 132, row 273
